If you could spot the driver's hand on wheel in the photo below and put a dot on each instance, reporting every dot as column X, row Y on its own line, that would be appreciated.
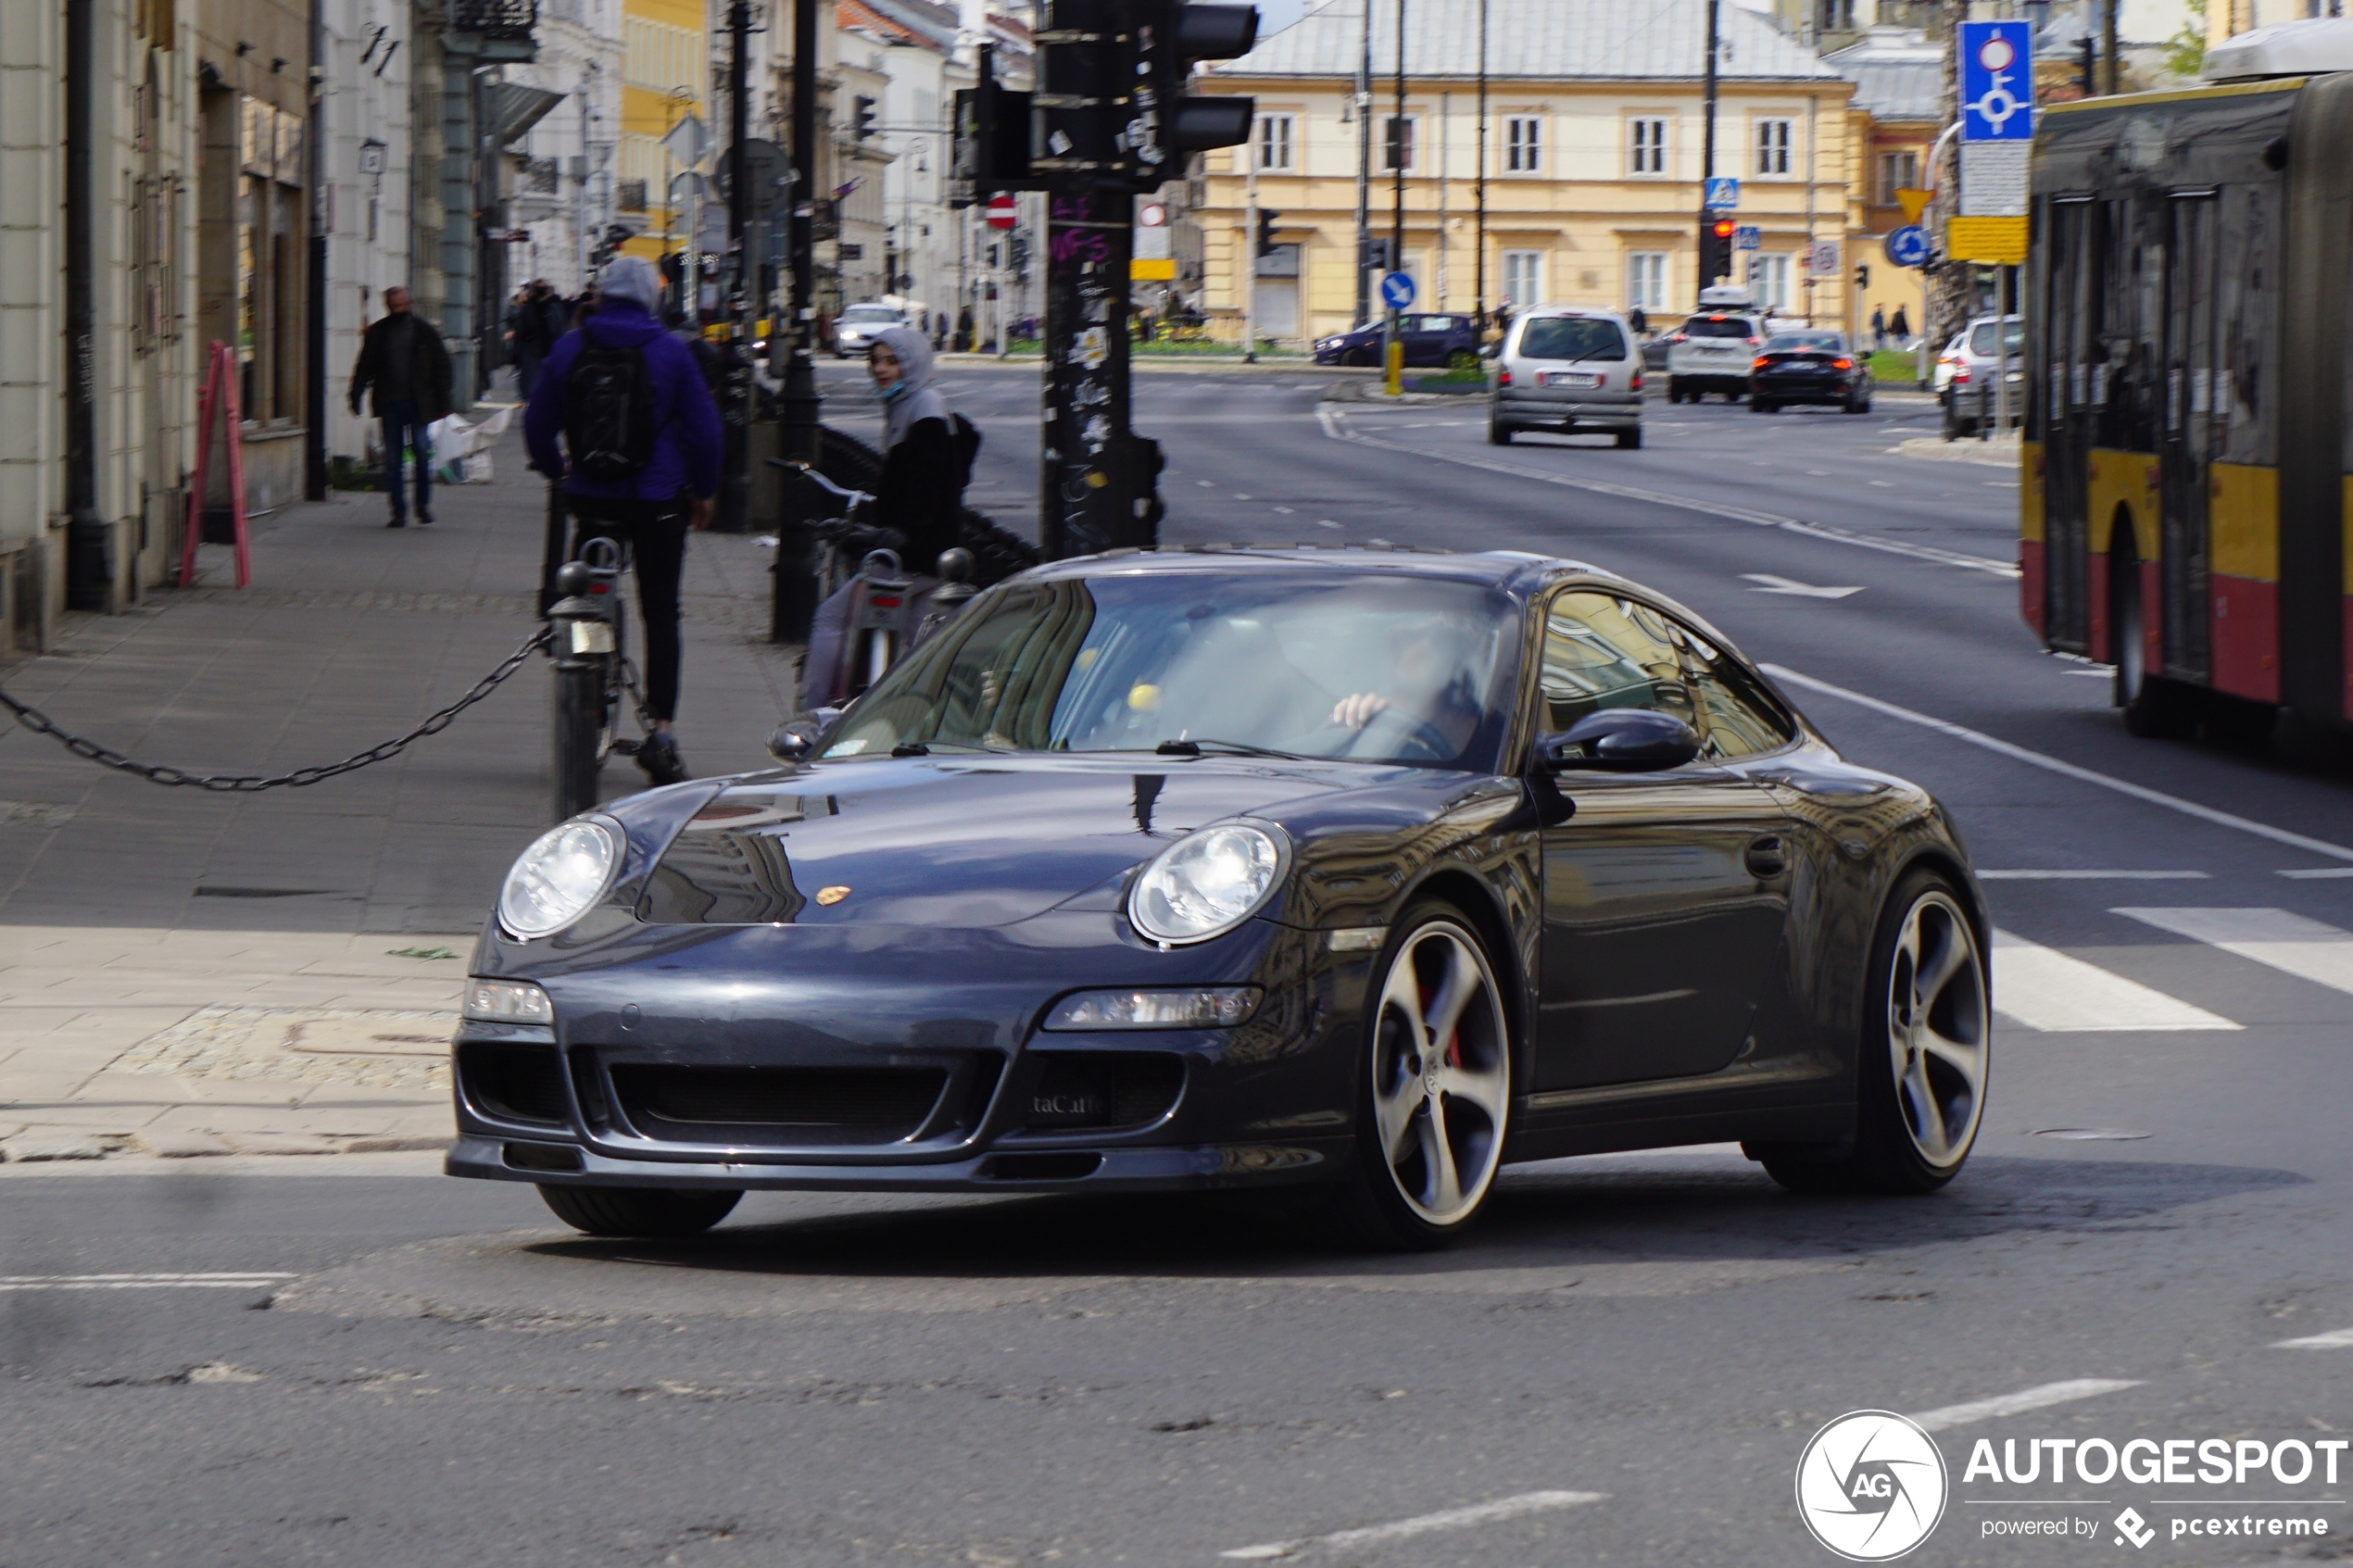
column 699, row 513
column 1358, row 709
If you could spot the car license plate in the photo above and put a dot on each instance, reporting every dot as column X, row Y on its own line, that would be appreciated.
column 1568, row 378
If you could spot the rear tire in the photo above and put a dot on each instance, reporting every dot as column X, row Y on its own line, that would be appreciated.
column 1498, row 433
column 1629, row 440
column 1433, row 1095
column 2155, row 707
column 1674, row 390
column 1763, row 406
column 579, row 734
column 654, row 1212
column 1925, row 1049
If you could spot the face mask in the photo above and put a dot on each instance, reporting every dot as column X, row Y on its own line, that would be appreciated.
column 895, row 391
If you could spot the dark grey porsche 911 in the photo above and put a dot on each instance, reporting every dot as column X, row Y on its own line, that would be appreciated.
column 1244, row 868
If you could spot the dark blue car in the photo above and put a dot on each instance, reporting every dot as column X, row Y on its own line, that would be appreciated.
column 1243, row 868
column 1431, row 339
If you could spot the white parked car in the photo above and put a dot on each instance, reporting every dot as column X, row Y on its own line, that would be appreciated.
column 856, row 326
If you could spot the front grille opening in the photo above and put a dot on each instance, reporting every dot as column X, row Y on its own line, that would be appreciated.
column 1103, row 1089
column 778, row 1105
column 1042, row 1167
column 543, row 1157
column 513, row 1083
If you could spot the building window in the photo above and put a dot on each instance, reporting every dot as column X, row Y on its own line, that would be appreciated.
column 1898, row 172
column 1398, row 137
column 1524, row 277
column 1772, row 146
column 1524, row 144
column 1768, row 280
column 1836, row 16
column 1275, row 141
column 1646, row 142
column 1646, row 280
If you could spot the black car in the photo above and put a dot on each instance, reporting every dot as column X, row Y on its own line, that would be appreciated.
column 1809, row 367
column 1241, row 868
column 1430, row 339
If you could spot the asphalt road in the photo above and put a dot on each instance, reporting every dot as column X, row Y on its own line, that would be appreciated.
column 1626, row 1362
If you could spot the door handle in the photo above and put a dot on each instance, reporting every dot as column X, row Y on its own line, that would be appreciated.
column 1763, row 858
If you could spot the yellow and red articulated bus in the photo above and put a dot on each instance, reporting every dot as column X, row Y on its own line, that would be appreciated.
column 2184, row 502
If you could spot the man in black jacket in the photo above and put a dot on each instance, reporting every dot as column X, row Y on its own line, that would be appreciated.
column 535, row 324
column 405, row 370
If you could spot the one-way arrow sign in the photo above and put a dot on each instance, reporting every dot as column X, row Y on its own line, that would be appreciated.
column 1768, row 584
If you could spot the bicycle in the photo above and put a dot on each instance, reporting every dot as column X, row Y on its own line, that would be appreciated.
column 593, row 672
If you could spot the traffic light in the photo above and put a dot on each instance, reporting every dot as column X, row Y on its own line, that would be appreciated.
column 2087, row 68
column 1267, row 218
column 1111, row 105
column 1171, row 35
column 862, row 124
column 1715, row 249
column 993, row 138
column 1862, row 277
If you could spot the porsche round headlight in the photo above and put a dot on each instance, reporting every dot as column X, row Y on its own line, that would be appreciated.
column 1206, row 884
column 559, row 879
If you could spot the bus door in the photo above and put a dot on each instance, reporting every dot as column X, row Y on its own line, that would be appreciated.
column 2184, row 440
column 2073, row 265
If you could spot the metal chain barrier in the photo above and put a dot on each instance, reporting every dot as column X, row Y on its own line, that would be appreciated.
column 40, row 723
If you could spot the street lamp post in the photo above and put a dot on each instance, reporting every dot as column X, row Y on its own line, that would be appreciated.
column 795, row 602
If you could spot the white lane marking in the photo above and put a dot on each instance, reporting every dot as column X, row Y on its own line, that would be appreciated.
column 2042, row 1397
column 1285, row 511
column 2334, row 1339
column 2060, row 994
column 1326, row 523
column 2305, row 948
column 2091, row 877
column 1768, row 584
column 2069, row 769
column 2315, row 874
column 1421, row 1524
column 141, row 1282
column 1335, row 426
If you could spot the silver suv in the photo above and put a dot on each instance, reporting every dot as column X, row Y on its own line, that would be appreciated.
column 1569, row 369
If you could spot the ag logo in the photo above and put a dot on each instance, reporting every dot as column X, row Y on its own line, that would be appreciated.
column 1871, row 1486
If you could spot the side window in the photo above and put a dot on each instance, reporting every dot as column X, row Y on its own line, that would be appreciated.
column 1601, row 651
column 1743, row 718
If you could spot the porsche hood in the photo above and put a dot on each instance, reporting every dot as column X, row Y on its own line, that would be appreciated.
column 946, row 842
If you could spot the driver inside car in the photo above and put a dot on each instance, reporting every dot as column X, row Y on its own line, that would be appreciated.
column 1431, row 684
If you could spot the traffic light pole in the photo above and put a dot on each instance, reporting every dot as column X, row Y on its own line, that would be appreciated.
column 1252, row 245
column 1711, row 255
column 795, row 604
column 737, row 408
column 1098, row 481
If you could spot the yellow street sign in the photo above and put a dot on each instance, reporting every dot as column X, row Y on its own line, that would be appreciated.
column 1914, row 203
column 1996, row 241
column 1147, row 270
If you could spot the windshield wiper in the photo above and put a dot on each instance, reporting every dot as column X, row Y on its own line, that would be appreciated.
column 1193, row 748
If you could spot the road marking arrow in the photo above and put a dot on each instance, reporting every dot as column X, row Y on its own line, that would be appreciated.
column 1768, row 584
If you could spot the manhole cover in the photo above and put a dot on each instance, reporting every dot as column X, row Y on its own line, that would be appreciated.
column 2090, row 1134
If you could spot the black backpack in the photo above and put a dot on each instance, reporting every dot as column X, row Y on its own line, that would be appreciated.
column 610, row 418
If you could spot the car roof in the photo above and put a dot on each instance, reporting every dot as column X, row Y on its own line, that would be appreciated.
column 1511, row 570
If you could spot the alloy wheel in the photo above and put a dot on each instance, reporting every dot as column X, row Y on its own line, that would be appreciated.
column 1937, row 1029
column 1442, row 1074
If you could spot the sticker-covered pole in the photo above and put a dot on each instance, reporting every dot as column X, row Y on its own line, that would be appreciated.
column 1099, row 482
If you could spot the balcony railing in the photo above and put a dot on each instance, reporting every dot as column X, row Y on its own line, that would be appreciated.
column 494, row 18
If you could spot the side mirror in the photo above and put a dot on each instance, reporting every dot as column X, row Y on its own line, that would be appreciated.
column 797, row 736
column 1628, row 740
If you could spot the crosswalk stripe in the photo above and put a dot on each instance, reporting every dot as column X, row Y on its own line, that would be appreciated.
column 2046, row 989
column 2334, row 1339
column 2305, row 948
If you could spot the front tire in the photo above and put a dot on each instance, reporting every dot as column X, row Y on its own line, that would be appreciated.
column 1674, row 390
column 1926, row 1045
column 1434, row 1100
column 1763, row 406
column 653, row 1212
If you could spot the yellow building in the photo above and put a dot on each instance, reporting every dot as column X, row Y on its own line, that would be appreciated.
column 665, row 74
column 1593, row 161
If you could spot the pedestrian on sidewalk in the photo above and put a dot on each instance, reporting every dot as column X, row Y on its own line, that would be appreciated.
column 404, row 368
column 539, row 319
column 644, row 491
column 1901, row 327
column 1878, row 326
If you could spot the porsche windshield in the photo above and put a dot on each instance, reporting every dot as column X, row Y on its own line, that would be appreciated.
column 1369, row 668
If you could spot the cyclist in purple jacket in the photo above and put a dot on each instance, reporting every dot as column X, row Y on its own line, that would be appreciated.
column 639, row 458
